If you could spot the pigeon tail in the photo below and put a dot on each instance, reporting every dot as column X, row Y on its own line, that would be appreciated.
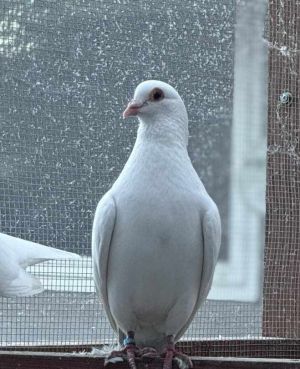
column 27, row 253
column 24, row 285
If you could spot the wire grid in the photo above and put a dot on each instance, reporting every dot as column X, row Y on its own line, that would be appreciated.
column 282, row 257
column 68, row 69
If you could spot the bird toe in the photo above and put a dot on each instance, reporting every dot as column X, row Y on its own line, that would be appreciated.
column 183, row 361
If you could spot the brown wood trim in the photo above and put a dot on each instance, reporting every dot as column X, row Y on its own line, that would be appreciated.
column 246, row 348
column 281, row 293
column 29, row 360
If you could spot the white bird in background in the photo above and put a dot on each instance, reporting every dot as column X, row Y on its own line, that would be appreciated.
column 156, row 233
column 17, row 254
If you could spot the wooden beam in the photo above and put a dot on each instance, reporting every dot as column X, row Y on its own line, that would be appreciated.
column 281, row 293
column 243, row 348
column 29, row 360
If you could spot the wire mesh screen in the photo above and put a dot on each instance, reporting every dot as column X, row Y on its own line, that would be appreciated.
column 67, row 71
column 282, row 258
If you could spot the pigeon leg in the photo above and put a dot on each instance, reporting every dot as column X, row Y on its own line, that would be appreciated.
column 130, row 352
column 127, row 353
column 170, row 353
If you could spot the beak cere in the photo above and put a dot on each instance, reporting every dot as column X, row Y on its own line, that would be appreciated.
column 132, row 109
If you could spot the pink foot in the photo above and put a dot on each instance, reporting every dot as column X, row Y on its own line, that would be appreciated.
column 170, row 353
column 130, row 352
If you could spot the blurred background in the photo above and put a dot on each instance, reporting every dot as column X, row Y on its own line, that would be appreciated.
column 67, row 70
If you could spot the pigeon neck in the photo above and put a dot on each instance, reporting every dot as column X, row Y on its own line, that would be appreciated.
column 164, row 131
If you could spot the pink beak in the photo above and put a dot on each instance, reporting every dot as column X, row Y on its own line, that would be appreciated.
column 132, row 109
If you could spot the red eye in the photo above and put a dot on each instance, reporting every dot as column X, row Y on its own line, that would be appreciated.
column 156, row 94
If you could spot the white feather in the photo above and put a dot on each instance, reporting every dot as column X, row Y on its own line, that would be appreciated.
column 15, row 255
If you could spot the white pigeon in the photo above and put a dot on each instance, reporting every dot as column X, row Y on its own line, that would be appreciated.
column 156, row 233
column 17, row 254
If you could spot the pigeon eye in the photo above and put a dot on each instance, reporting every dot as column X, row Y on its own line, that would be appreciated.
column 156, row 94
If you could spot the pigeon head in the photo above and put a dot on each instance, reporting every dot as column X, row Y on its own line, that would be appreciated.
column 155, row 101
